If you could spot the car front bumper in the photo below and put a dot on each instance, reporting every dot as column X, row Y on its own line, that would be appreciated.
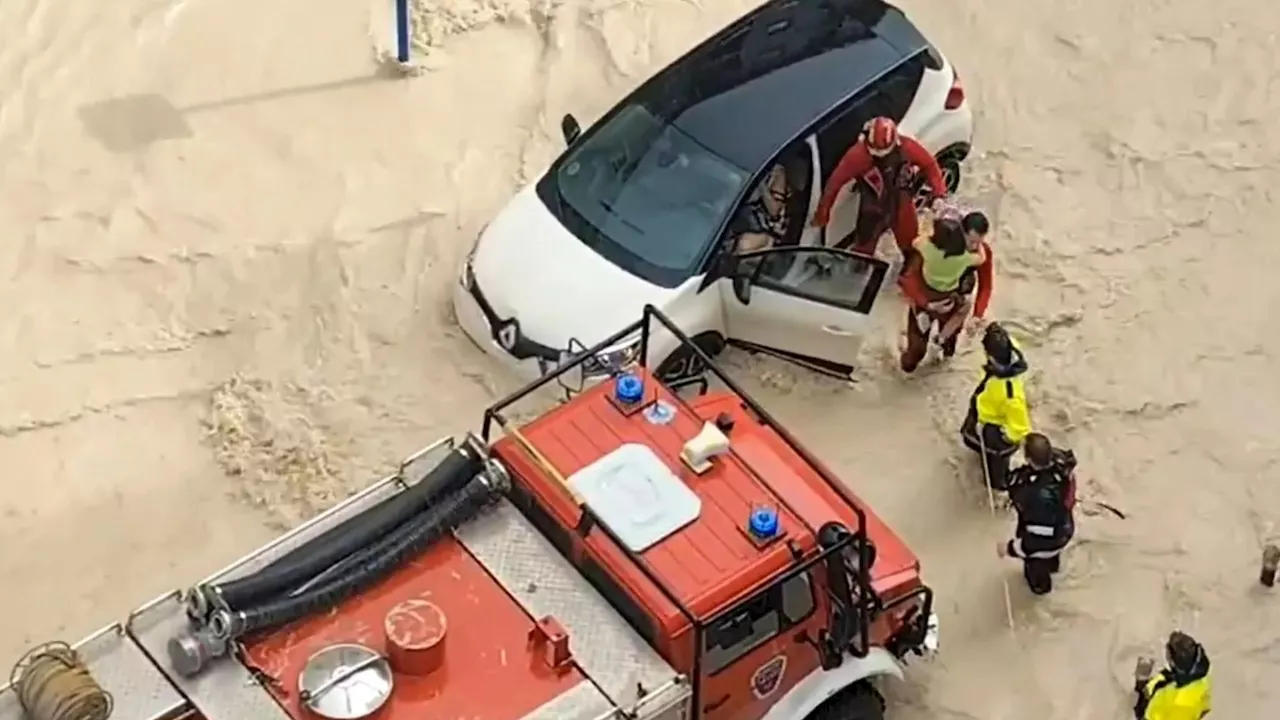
column 473, row 322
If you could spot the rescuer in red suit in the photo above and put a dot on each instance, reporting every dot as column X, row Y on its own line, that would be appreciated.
column 884, row 165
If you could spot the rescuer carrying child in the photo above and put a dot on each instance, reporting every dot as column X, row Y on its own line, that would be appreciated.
column 939, row 279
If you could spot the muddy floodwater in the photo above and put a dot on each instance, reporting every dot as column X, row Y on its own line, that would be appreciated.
column 229, row 242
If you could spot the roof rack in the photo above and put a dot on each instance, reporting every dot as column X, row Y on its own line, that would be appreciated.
column 644, row 327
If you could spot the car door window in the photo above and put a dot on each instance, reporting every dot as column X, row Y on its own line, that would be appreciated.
column 775, row 211
column 756, row 621
column 890, row 96
column 825, row 275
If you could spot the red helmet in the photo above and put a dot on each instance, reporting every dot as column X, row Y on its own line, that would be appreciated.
column 882, row 136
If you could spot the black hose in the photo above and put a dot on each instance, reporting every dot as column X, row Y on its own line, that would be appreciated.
column 408, row 541
column 351, row 536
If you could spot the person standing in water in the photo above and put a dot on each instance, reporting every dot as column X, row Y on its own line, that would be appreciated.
column 1043, row 495
column 1182, row 690
column 999, row 417
column 882, row 165
column 982, row 278
column 941, row 276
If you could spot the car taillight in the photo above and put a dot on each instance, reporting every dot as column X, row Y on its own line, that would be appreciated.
column 955, row 96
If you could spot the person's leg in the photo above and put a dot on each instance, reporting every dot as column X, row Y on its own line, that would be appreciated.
column 919, row 325
column 1055, row 563
column 906, row 225
column 1039, row 579
column 949, row 346
column 969, row 430
column 998, row 470
column 998, row 457
column 950, row 327
column 865, row 237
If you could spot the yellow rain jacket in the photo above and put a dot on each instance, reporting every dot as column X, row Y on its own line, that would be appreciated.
column 1001, row 398
column 1173, row 702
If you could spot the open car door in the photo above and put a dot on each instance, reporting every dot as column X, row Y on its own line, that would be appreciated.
column 807, row 305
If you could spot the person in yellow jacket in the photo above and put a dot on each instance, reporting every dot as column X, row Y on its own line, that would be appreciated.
column 998, row 417
column 1182, row 691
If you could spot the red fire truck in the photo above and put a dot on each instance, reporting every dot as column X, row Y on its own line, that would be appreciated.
column 632, row 553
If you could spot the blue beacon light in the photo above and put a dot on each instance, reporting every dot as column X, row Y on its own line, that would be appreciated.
column 763, row 523
column 628, row 389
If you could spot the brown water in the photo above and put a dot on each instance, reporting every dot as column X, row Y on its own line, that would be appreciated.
column 221, row 218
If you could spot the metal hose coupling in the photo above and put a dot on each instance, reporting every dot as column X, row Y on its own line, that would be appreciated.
column 495, row 476
column 198, row 603
column 191, row 652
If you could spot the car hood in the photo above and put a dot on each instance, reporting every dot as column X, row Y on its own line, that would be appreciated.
column 528, row 266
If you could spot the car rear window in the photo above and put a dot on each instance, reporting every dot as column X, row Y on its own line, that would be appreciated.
column 933, row 59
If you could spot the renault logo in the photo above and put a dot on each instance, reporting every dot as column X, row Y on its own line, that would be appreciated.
column 507, row 336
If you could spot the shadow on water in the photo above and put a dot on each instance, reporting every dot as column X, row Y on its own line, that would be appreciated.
column 133, row 122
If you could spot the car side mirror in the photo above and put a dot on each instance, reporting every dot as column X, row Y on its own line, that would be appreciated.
column 573, row 380
column 570, row 128
column 742, row 288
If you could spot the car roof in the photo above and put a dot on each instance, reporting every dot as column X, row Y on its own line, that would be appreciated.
column 761, row 82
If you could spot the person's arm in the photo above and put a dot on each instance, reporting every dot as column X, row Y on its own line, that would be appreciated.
column 1142, row 697
column 986, row 283
column 913, row 282
column 917, row 155
column 855, row 163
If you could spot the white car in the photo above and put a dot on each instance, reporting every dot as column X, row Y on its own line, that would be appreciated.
column 694, row 195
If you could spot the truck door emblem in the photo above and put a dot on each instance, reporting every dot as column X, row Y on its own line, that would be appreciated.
column 766, row 679
column 507, row 336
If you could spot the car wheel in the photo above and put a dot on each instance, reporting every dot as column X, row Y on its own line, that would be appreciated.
column 684, row 363
column 858, row 702
column 950, row 163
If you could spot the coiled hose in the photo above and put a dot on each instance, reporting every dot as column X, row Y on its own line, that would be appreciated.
column 323, row 551
column 389, row 554
column 52, row 683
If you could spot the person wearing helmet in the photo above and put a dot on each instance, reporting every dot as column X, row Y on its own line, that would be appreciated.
column 1043, row 494
column 999, row 418
column 883, row 165
column 1181, row 691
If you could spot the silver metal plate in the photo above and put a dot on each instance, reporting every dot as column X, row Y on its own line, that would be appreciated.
column 139, row 689
column 346, row 682
column 583, row 702
column 533, row 572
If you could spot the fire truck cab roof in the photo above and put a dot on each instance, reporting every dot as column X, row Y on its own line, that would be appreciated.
column 698, row 552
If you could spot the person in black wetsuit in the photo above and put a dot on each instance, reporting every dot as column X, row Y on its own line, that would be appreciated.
column 1043, row 494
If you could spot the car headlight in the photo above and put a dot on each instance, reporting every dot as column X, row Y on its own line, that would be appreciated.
column 467, row 278
column 610, row 361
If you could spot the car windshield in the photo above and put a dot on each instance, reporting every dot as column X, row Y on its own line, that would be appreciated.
column 645, row 195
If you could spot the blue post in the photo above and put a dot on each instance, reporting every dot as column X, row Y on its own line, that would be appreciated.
column 402, row 31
